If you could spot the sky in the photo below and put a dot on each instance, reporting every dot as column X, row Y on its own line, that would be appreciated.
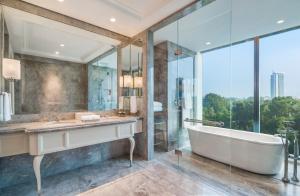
column 229, row 71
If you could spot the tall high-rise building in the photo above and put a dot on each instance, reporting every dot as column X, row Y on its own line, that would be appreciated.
column 277, row 85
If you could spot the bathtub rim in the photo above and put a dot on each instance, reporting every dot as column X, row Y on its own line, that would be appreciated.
column 235, row 138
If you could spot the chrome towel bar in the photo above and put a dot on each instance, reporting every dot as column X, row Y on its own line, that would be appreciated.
column 206, row 122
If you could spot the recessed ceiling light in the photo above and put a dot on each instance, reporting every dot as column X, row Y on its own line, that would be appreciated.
column 207, row 43
column 57, row 52
column 280, row 21
column 62, row 45
column 112, row 19
column 60, row 0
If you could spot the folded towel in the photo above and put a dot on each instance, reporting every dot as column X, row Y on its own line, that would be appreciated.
column 157, row 109
column 157, row 104
column 92, row 117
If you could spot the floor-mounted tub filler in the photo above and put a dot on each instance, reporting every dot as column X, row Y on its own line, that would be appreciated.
column 255, row 152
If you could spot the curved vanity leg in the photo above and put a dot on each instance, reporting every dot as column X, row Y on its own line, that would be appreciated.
column 37, row 171
column 132, row 144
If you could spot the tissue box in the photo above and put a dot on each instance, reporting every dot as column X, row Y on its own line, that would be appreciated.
column 91, row 117
column 86, row 116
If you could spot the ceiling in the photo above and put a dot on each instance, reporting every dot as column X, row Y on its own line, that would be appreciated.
column 132, row 16
column 130, row 56
column 34, row 35
column 228, row 21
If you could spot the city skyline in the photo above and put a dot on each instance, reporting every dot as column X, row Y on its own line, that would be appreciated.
column 277, row 85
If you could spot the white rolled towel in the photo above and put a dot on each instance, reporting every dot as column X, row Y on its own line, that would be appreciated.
column 6, row 107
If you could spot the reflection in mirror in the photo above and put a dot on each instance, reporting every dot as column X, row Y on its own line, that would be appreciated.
column 102, row 74
column 132, row 70
column 63, row 68
column 131, row 79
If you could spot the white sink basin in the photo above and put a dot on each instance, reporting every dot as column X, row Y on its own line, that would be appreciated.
column 59, row 123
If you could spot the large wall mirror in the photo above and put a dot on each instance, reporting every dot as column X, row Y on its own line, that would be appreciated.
column 61, row 68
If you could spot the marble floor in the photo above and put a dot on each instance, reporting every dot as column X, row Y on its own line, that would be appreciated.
column 194, row 175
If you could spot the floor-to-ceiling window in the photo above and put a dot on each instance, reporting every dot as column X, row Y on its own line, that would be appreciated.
column 242, row 86
column 279, row 81
column 216, row 85
column 228, row 85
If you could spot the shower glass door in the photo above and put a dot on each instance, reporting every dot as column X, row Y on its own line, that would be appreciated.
column 181, row 91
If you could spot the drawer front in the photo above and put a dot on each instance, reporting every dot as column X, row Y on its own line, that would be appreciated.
column 127, row 130
column 94, row 135
column 13, row 144
column 101, row 134
column 43, row 143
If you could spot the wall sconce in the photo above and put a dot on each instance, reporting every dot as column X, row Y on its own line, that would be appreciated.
column 11, row 70
column 128, row 81
column 138, row 82
column 121, row 81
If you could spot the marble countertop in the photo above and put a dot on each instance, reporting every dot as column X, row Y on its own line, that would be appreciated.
column 37, row 127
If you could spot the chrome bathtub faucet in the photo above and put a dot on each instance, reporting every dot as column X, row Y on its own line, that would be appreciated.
column 288, row 128
column 296, row 155
column 286, row 160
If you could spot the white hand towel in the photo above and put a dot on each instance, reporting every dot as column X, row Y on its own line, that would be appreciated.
column 139, row 101
column 7, row 107
column 10, row 103
column 1, row 108
column 188, row 93
column 133, row 106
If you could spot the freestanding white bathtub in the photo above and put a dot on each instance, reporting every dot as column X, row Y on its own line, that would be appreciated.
column 255, row 152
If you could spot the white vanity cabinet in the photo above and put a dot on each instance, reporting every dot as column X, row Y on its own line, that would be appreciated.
column 44, row 142
column 54, row 141
column 42, row 138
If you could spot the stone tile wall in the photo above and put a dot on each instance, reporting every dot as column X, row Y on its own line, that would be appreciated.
column 49, row 85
